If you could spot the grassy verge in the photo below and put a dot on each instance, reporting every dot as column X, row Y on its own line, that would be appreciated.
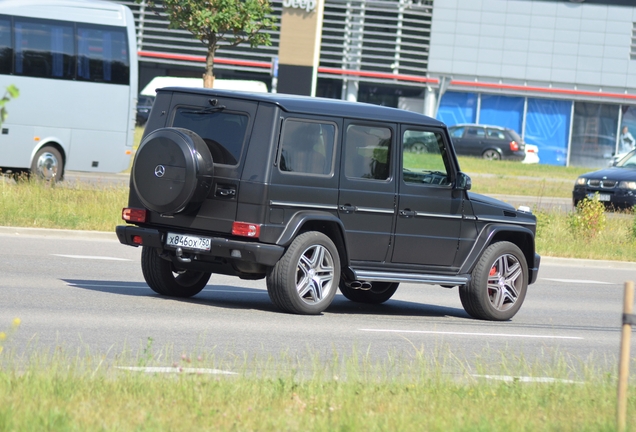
column 65, row 392
column 81, row 207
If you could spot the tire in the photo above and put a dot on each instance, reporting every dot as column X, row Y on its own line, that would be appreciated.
column 48, row 165
column 304, row 281
column 164, row 279
column 173, row 171
column 379, row 292
column 498, row 284
column 491, row 154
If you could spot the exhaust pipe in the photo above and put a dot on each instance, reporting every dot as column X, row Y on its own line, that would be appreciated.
column 364, row 286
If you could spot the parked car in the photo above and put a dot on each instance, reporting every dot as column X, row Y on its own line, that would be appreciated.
column 144, row 105
column 532, row 154
column 315, row 195
column 614, row 186
column 489, row 142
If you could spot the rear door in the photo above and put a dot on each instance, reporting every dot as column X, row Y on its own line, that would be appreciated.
column 473, row 141
column 367, row 200
column 225, row 130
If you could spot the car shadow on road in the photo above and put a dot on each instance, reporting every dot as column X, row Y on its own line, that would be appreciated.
column 233, row 297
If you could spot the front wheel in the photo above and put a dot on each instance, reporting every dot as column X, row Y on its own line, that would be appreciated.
column 48, row 164
column 164, row 279
column 305, row 279
column 498, row 284
column 379, row 292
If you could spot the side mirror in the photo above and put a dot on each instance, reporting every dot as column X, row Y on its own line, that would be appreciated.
column 463, row 182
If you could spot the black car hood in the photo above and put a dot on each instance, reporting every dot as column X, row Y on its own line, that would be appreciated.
column 613, row 173
column 475, row 197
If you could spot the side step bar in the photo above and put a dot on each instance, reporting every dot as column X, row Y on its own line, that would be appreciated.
column 376, row 276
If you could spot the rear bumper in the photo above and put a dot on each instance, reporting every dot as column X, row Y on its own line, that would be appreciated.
column 259, row 253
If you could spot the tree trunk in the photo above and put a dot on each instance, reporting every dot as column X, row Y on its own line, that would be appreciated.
column 208, row 76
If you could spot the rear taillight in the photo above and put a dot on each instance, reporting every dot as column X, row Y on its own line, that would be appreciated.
column 134, row 215
column 514, row 146
column 245, row 229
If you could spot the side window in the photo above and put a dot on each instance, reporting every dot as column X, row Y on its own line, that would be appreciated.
column 429, row 166
column 6, row 52
column 368, row 152
column 496, row 134
column 44, row 49
column 475, row 133
column 222, row 131
column 307, row 147
column 457, row 132
column 102, row 55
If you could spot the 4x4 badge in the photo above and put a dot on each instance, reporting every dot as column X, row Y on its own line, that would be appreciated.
column 160, row 170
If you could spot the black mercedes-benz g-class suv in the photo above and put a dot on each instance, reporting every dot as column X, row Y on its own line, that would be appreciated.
column 315, row 195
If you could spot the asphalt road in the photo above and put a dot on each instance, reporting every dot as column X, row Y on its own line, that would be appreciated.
column 83, row 290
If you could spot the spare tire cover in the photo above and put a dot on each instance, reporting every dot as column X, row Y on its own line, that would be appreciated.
column 173, row 170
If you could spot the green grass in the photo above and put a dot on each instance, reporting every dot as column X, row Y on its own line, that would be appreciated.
column 82, row 207
column 62, row 391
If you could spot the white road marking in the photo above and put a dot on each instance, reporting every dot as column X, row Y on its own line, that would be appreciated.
column 527, row 379
column 91, row 257
column 580, row 281
column 472, row 334
column 177, row 370
column 85, row 285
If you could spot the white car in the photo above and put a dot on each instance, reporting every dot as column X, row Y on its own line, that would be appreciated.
column 532, row 154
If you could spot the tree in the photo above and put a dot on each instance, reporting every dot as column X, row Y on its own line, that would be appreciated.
column 10, row 93
column 213, row 21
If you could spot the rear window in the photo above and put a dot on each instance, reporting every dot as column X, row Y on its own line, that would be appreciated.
column 515, row 136
column 222, row 131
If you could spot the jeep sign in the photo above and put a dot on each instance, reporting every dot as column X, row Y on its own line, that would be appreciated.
column 308, row 5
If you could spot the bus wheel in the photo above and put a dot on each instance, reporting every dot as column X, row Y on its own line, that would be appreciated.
column 48, row 164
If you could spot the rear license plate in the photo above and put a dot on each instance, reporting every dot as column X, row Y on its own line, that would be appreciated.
column 601, row 197
column 188, row 242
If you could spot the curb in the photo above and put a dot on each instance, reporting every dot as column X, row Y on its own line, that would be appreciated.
column 111, row 236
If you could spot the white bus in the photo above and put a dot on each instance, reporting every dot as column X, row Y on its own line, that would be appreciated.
column 74, row 63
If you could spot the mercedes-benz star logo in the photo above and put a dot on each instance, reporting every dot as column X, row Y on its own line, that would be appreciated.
column 160, row 170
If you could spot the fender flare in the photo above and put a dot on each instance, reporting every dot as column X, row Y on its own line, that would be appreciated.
column 485, row 239
column 304, row 217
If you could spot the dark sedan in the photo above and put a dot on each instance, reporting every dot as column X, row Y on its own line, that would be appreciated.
column 488, row 142
column 615, row 186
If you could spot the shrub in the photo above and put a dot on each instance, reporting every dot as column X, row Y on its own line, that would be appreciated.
column 588, row 219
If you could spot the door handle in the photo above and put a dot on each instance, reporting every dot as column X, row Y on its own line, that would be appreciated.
column 407, row 213
column 347, row 208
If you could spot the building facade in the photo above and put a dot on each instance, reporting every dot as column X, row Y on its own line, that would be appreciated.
column 561, row 73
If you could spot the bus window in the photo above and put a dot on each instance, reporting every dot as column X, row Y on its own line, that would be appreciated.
column 103, row 55
column 44, row 49
column 6, row 52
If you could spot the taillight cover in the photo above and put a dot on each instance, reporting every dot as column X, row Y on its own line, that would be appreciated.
column 134, row 215
column 514, row 146
column 246, row 229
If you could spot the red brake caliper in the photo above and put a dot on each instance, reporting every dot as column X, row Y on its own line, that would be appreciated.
column 493, row 271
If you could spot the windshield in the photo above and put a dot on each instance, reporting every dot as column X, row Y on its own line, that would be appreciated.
column 628, row 161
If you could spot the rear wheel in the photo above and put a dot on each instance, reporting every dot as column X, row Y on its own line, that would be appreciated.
column 164, row 279
column 498, row 284
column 304, row 280
column 491, row 154
column 48, row 164
column 379, row 292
